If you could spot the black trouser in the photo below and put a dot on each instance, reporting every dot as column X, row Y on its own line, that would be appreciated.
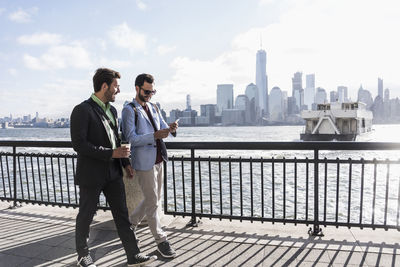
column 114, row 192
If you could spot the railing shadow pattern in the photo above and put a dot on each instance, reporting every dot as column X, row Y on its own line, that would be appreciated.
column 203, row 246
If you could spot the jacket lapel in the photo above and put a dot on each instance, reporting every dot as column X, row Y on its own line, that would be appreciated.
column 115, row 127
column 154, row 114
column 102, row 116
column 144, row 113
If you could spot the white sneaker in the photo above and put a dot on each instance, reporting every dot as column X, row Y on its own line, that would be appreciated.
column 86, row 261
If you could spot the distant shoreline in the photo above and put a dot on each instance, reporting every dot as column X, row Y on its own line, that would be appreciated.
column 181, row 126
column 204, row 126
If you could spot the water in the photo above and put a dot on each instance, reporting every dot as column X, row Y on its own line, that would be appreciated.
column 380, row 133
column 213, row 190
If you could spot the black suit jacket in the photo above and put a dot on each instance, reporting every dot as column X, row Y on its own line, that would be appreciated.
column 89, row 138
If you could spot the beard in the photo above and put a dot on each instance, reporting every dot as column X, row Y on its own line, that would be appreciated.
column 142, row 98
column 109, row 95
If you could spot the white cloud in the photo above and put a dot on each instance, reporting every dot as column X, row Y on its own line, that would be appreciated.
column 123, row 36
column 68, row 92
column 342, row 46
column 23, row 16
column 54, row 98
column 141, row 5
column 12, row 72
column 103, row 44
column 115, row 64
column 164, row 49
column 60, row 57
column 199, row 78
column 43, row 38
column 266, row 2
column 33, row 62
column 4, row 56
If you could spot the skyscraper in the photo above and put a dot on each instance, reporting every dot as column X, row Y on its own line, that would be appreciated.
column 252, row 92
column 224, row 97
column 310, row 80
column 261, row 80
column 380, row 87
column 320, row 96
column 342, row 94
column 365, row 97
column 309, row 92
column 333, row 97
column 242, row 103
column 188, row 103
column 207, row 111
column 297, row 89
column 387, row 95
column 276, row 104
column 252, row 95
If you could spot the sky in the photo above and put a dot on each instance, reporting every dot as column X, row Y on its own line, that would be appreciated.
column 49, row 50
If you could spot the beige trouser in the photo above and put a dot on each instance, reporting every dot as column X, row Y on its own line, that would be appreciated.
column 150, row 182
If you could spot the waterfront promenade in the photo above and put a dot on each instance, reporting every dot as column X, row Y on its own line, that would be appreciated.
column 34, row 235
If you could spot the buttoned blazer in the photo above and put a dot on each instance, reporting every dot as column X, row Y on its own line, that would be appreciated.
column 94, row 150
column 141, row 136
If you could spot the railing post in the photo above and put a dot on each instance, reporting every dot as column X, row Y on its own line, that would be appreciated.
column 15, row 177
column 165, row 187
column 193, row 222
column 316, row 231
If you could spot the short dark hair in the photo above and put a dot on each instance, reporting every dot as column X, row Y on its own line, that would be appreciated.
column 141, row 78
column 104, row 75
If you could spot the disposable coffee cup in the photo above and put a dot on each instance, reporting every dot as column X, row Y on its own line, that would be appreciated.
column 125, row 144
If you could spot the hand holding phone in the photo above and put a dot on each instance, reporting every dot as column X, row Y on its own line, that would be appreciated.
column 173, row 126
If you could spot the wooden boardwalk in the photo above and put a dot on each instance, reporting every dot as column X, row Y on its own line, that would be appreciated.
column 34, row 235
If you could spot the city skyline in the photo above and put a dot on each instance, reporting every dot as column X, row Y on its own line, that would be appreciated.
column 49, row 59
column 245, row 109
column 227, row 100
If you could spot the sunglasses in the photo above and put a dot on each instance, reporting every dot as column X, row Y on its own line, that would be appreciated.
column 148, row 92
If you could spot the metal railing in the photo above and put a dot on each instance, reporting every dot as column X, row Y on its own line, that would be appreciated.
column 40, row 178
column 203, row 181
column 315, row 191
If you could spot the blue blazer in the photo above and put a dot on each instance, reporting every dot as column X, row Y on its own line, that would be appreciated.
column 141, row 136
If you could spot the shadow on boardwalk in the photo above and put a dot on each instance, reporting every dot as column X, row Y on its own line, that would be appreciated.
column 44, row 236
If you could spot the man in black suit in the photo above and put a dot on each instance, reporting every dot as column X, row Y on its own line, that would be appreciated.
column 94, row 135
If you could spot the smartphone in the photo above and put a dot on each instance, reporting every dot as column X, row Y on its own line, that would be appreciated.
column 177, row 120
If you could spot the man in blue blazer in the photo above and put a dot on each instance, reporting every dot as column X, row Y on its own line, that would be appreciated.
column 94, row 136
column 144, row 128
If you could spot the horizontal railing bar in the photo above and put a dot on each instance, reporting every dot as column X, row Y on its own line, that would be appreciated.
column 17, row 143
column 49, row 203
column 6, row 199
column 249, row 218
column 287, row 160
column 285, row 145
column 297, row 145
column 47, row 155
column 235, row 217
column 349, row 225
